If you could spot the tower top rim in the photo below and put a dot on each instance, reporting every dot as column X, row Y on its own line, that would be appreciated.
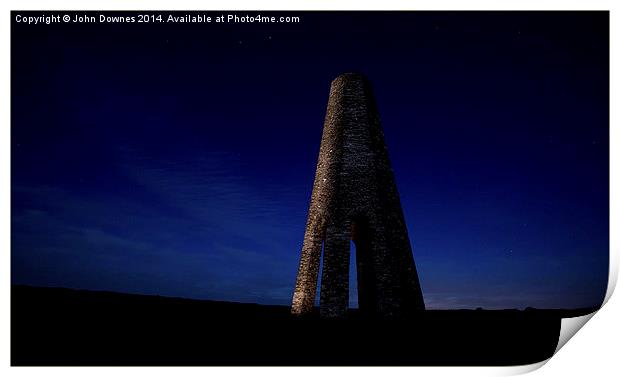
column 352, row 76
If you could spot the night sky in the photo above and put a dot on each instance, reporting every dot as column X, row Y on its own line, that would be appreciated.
column 178, row 160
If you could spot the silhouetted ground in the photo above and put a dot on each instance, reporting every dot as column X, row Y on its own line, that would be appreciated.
column 57, row 326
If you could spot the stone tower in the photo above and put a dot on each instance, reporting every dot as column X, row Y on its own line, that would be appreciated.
column 355, row 198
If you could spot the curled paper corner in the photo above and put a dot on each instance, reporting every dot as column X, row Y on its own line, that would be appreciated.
column 569, row 328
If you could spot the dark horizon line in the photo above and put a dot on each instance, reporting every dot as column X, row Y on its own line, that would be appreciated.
column 82, row 290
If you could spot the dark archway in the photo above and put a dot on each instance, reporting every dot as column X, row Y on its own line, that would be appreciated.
column 361, row 235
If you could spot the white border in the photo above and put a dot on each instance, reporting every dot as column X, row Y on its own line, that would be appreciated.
column 595, row 348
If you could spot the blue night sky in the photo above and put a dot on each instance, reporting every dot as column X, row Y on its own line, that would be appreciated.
column 178, row 160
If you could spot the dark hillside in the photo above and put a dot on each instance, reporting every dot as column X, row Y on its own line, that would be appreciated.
column 57, row 326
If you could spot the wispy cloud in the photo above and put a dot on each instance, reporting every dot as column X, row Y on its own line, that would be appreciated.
column 210, row 233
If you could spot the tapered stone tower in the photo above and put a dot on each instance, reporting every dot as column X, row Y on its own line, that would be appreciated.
column 355, row 198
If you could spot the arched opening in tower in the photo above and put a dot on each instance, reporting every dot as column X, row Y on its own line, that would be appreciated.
column 353, row 296
column 362, row 259
column 317, row 298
